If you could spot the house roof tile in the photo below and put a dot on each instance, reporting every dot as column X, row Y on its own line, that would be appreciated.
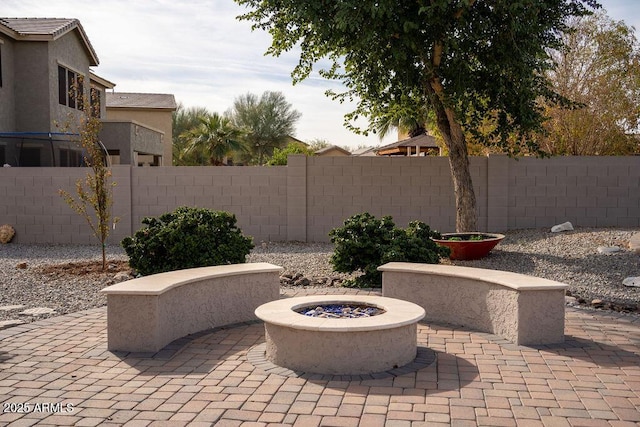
column 140, row 100
column 45, row 29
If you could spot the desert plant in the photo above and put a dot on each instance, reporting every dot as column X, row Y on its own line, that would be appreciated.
column 186, row 238
column 365, row 242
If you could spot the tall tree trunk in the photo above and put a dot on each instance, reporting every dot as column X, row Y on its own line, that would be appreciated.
column 451, row 131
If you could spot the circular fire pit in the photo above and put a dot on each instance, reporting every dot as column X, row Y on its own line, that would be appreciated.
column 340, row 346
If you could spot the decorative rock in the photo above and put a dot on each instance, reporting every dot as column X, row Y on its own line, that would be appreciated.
column 608, row 249
column 565, row 226
column 302, row 281
column 121, row 277
column 38, row 311
column 11, row 307
column 571, row 301
column 634, row 243
column 632, row 282
column 6, row 233
column 21, row 265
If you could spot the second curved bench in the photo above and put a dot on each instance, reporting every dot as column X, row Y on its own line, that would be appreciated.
column 523, row 309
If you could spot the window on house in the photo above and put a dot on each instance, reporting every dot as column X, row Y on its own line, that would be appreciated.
column 30, row 156
column 70, row 88
column 95, row 102
column 62, row 85
column 71, row 82
column 70, row 157
column 0, row 64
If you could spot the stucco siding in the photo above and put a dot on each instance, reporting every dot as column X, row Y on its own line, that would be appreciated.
column 7, row 93
column 32, row 87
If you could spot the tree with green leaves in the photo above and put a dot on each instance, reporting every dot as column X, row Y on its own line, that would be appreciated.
column 94, row 194
column 215, row 137
column 268, row 120
column 183, row 120
column 599, row 67
column 318, row 144
column 467, row 61
column 280, row 155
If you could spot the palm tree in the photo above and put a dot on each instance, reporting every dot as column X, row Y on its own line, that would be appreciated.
column 184, row 119
column 268, row 119
column 215, row 136
column 409, row 118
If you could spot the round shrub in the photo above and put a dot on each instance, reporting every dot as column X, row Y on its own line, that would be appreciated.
column 364, row 243
column 186, row 238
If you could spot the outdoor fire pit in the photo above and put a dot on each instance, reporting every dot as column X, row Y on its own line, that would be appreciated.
column 342, row 345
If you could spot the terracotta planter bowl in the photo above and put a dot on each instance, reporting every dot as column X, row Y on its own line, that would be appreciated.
column 466, row 249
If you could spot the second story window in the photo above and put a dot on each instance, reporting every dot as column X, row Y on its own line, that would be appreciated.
column 95, row 102
column 70, row 88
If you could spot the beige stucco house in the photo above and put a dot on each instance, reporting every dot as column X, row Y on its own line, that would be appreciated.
column 152, row 110
column 45, row 77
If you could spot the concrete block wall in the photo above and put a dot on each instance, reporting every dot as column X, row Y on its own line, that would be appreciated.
column 29, row 201
column 306, row 199
column 407, row 188
column 587, row 191
column 256, row 195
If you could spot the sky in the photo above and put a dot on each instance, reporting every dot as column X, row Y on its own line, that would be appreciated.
column 198, row 51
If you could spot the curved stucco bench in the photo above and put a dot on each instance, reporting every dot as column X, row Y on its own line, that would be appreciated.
column 523, row 309
column 146, row 314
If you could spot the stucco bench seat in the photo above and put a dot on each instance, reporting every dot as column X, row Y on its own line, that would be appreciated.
column 146, row 314
column 523, row 309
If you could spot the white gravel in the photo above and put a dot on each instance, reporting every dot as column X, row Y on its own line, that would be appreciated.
column 569, row 257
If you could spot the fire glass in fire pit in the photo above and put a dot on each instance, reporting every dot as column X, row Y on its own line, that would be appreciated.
column 340, row 311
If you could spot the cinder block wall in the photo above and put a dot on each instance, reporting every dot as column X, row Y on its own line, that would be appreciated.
column 256, row 195
column 306, row 199
column 407, row 188
column 29, row 201
column 588, row 191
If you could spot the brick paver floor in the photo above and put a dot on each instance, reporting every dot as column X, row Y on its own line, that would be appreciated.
column 58, row 372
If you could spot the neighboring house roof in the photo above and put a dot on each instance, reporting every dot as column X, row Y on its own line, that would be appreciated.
column 46, row 29
column 101, row 81
column 154, row 101
column 424, row 142
column 332, row 149
column 365, row 151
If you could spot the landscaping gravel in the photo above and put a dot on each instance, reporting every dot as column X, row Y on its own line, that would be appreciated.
column 570, row 257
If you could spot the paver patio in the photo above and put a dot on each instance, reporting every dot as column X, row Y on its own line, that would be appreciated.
column 60, row 367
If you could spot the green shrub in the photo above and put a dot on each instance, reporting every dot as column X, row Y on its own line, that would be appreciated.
column 280, row 155
column 186, row 238
column 365, row 242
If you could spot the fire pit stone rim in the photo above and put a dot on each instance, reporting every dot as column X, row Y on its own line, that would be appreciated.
column 397, row 313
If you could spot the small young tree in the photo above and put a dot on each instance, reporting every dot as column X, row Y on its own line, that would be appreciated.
column 94, row 194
